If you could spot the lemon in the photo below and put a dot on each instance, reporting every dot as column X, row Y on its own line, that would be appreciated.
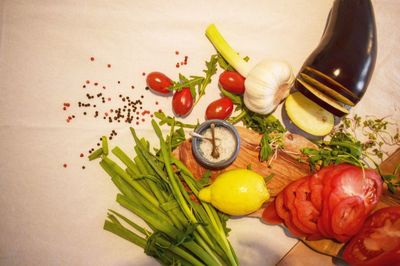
column 236, row 192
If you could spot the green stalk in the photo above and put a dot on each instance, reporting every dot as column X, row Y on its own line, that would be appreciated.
column 166, row 228
column 227, row 52
column 175, row 188
column 238, row 118
column 120, row 231
column 115, row 227
column 134, row 183
column 212, row 214
column 149, row 159
column 96, row 154
column 141, row 163
column 104, row 145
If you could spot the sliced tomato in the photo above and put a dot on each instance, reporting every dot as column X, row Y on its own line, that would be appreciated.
column 348, row 216
column 307, row 214
column 270, row 215
column 354, row 181
column 324, row 222
column 378, row 242
column 316, row 187
column 283, row 212
column 289, row 196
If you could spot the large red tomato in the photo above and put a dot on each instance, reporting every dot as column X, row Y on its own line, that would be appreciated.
column 378, row 243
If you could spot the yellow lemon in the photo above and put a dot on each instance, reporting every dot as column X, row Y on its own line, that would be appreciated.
column 236, row 192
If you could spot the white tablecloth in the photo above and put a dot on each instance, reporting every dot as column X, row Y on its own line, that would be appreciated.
column 51, row 215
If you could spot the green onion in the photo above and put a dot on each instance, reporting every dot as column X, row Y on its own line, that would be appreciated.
column 178, row 231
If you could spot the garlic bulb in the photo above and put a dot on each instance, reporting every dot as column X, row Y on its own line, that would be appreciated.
column 267, row 84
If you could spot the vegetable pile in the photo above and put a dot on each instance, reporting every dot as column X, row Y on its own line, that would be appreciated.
column 160, row 190
column 333, row 203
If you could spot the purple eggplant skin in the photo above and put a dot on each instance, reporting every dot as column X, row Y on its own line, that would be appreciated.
column 348, row 48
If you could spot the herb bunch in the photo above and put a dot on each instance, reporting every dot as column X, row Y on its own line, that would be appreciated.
column 359, row 141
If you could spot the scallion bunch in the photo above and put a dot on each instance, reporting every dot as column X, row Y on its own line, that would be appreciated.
column 160, row 190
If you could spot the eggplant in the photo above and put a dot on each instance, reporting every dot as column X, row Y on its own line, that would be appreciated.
column 340, row 68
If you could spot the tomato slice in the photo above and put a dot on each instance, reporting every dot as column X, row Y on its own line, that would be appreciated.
column 378, row 242
column 316, row 186
column 283, row 212
column 348, row 216
column 354, row 181
column 289, row 196
column 307, row 214
column 324, row 223
column 270, row 215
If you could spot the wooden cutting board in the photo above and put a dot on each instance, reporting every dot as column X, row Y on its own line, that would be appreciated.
column 285, row 166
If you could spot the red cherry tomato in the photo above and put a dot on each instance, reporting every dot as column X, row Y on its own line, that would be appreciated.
column 159, row 83
column 182, row 102
column 378, row 242
column 232, row 81
column 220, row 109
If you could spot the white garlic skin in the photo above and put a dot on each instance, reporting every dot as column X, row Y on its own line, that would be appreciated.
column 267, row 84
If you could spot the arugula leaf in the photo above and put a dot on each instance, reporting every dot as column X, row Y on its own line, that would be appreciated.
column 178, row 136
column 266, row 149
column 211, row 70
column 205, row 179
column 341, row 148
column 197, row 84
column 164, row 119
column 236, row 99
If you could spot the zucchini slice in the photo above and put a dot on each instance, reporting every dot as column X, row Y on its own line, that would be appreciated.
column 308, row 116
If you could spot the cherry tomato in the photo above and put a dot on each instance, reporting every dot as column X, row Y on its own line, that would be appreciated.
column 378, row 242
column 159, row 83
column 232, row 81
column 219, row 109
column 182, row 102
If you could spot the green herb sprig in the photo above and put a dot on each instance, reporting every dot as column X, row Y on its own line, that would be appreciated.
column 198, row 84
column 359, row 141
